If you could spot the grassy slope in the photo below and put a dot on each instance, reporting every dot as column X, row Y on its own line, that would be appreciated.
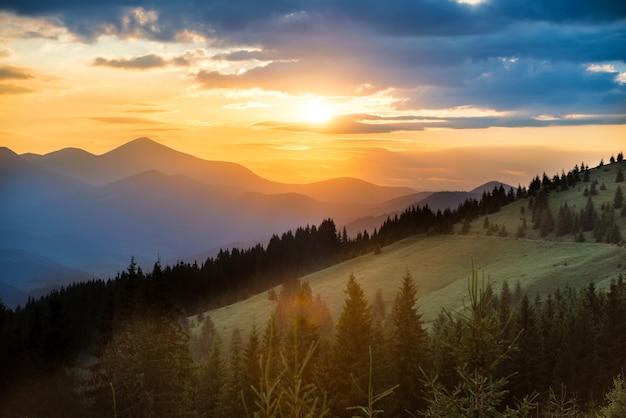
column 440, row 265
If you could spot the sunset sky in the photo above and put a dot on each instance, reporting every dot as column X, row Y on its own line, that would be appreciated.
column 430, row 94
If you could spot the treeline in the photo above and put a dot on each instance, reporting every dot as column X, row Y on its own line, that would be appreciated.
column 505, row 354
column 568, row 221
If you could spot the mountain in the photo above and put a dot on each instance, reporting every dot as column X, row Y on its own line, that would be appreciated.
column 435, row 201
column 25, row 185
column 144, row 154
column 347, row 189
column 91, row 213
column 489, row 186
column 31, row 272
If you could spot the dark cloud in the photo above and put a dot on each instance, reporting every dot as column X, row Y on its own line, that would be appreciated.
column 521, row 83
column 372, row 124
column 14, row 73
column 151, row 61
column 144, row 62
column 525, row 56
column 400, row 17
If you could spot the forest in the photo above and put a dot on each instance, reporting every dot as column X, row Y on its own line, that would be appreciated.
column 122, row 347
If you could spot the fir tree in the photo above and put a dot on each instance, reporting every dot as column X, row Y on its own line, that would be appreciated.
column 409, row 347
column 210, row 381
column 618, row 200
column 353, row 335
column 230, row 405
column 480, row 346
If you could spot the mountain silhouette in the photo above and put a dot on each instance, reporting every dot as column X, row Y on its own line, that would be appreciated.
column 87, row 215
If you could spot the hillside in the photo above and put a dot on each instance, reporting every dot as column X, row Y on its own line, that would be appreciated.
column 440, row 265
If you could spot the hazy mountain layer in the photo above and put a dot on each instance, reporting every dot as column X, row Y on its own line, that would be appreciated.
column 90, row 213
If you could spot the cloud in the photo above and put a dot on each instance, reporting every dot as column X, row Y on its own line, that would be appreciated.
column 152, row 60
column 325, row 77
column 6, row 53
column 123, row 120
column 601, row 68
column 12, row 89
column 14, row 73
column 163, row 19
column 143, row 62
column 526, row 60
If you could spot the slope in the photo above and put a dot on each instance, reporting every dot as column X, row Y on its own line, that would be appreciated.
column 440, row 265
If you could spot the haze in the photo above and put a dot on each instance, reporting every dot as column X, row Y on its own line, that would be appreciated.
column 430, row 95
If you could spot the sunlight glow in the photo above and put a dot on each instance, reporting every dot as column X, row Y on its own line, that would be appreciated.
column 317, row 111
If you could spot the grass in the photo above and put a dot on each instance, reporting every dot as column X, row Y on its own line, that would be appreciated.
column 440, row 265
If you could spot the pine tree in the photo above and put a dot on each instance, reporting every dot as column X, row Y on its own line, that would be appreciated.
column 525, row 361
column 250, row 371
column 619, row 178
column 379, row 310
column 480, row 347
column 147, row 360
column 409, row 347
column 230, row 405
column 353, row 336
column 203, row 342
column 210, row 381
column 618, row 200
column 616, row 400
column 564, row 221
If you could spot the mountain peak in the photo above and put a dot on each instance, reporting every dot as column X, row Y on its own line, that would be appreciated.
column 142, row 140
column 141, row 146
column 490, row 185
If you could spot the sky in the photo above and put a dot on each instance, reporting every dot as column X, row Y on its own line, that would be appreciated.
column 428, row 94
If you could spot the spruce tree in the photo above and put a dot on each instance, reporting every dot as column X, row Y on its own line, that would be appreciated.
column 525, row 361
column 231, row 405
column 210, row 381
column 409, row 347
column 353, row 336
column 147, row 360
column 618, row 200
column 250, row 370
column 379, row 310
column 480, row 347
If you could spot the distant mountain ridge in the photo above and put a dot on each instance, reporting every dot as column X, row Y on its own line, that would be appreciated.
column 90, row 213
column 144, row 154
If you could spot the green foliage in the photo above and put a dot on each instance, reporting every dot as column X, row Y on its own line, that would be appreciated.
column 618, row 199
column 149, row 364
column 559, row 405
column 480, row 347
column 210, row 378
column 353, row 333
column 409, row 346
column 289, row 391
column 616, row 400
column 369, row 410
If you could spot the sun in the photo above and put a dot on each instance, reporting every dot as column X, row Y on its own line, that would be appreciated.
column 317, row 111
